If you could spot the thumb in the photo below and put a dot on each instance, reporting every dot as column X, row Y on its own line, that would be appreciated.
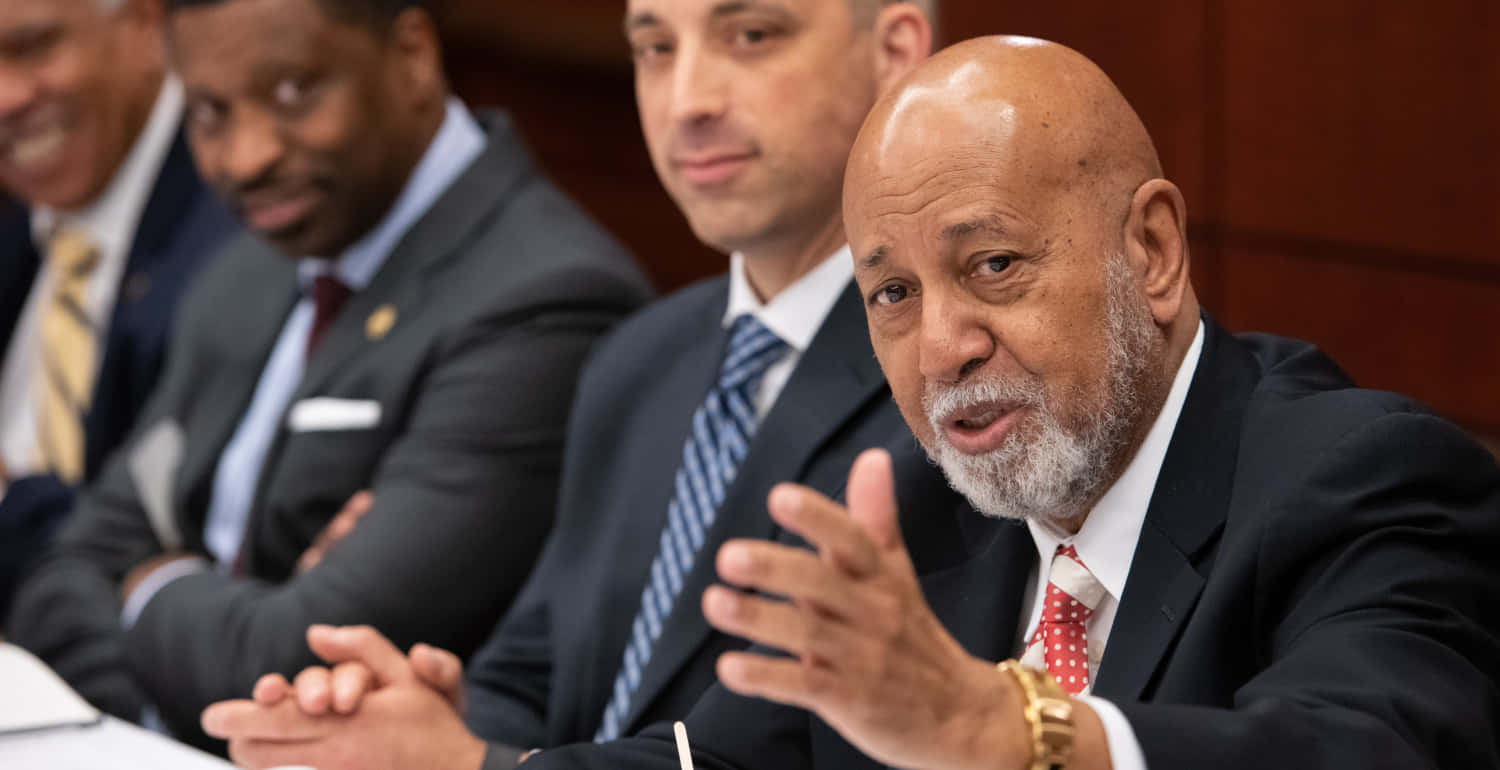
column 361, row 644
column 872, row 499
column 441, row 670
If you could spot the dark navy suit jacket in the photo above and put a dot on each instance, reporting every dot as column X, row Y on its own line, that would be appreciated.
column 547, row 673
column 181, row 225
column 1314, row 587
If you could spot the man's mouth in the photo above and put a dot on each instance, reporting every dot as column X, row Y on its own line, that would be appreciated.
column 279, row 212
column 37, row 149
column 711, row 168
column 980, row 428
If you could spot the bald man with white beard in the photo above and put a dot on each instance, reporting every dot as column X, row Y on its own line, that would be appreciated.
column 1184, row 548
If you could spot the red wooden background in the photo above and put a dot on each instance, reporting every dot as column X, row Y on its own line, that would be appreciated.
column 1341, row 158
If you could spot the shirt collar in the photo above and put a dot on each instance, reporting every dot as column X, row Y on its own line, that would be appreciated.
column 111, row 219
column 1106, row 541
column 798, row 311
column 459, row 141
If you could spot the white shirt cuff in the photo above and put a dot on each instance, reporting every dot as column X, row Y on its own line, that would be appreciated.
column 1124, row 750
column 153, row 583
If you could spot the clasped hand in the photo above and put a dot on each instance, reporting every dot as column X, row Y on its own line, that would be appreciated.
column 373, row 708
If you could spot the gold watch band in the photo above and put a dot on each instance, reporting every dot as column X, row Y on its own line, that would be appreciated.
column 1049, row 712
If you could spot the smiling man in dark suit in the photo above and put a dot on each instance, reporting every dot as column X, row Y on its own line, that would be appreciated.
column 686, row 416
column 409, row 318
column 111, row 223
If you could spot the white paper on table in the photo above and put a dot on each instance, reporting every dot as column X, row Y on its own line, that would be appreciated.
column 109, row 745
column 33, row 697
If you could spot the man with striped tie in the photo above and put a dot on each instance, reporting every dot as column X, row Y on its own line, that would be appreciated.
column 686, row 416
column 114, row 222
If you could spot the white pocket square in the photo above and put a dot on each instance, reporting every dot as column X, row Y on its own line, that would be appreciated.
column 324, row 414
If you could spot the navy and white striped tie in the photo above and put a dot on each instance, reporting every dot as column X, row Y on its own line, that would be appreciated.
column 722, row 428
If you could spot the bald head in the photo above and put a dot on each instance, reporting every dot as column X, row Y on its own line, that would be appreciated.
column 1039, row 106
column 1025, row 268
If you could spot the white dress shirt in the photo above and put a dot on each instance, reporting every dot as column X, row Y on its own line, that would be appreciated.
column 458, row 142
column 795, row 315
column 110, row 222
column 1106, row 546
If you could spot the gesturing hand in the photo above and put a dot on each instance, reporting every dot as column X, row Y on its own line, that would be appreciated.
column 868, row 654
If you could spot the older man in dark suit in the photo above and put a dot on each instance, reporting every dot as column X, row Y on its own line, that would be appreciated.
column 423, row 345
column 110, row 224
column 1230, row 557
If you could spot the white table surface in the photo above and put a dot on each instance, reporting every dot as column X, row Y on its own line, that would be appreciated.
column 109, row 745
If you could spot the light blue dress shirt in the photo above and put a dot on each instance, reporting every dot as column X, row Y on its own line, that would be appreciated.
column 457, row 144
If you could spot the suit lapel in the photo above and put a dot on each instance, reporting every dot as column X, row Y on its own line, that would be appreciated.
column 18, row 268
column 257, row 326
column 1186, row 514
column 979, row 600
column 177, row 187
column 835, row 378
column 469, row 203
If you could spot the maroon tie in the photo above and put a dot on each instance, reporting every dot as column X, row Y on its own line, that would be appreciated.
column 329, row 294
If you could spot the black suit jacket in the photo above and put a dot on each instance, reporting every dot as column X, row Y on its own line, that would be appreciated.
column 544, row 678
column 497, row 293
column 1314, row 587
column 181, row 225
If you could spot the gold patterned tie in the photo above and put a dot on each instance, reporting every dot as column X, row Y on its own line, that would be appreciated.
column 69, row 342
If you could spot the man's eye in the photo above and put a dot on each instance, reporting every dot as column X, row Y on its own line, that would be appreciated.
column 289, row 92
column 753, row 37
column 890, row 295
column 994, row 265
column 205, row 116
column 651, row 52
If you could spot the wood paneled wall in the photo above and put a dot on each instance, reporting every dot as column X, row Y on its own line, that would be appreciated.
column 1341, row 158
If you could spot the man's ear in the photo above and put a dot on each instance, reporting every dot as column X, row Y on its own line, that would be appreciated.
column 1157, row 247
column 903, row 40
column 415, row 38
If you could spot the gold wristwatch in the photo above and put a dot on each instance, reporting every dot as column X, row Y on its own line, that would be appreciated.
column 1050, row 714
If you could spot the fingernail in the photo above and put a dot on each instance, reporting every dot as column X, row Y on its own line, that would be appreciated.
column 737, row 558
column 722, row 601
column 786, row 498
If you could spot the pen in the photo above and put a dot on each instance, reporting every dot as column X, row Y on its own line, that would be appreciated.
column 684, row 754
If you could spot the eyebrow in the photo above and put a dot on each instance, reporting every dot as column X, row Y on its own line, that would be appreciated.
column 992, row 224
column 648, row 19
column 640, row 21
column 875, row 258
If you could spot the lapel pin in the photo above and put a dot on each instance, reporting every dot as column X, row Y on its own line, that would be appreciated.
column 380, row 322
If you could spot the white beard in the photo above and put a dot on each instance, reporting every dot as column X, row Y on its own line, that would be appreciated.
column 1046, row 471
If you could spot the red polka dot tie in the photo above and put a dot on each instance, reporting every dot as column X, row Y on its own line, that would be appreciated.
column 1061, row 641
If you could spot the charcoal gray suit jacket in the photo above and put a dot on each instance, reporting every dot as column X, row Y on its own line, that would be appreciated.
column 492, row 301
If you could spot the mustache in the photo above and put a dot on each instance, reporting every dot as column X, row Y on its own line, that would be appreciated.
column 941, row 401
column 30, row 121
